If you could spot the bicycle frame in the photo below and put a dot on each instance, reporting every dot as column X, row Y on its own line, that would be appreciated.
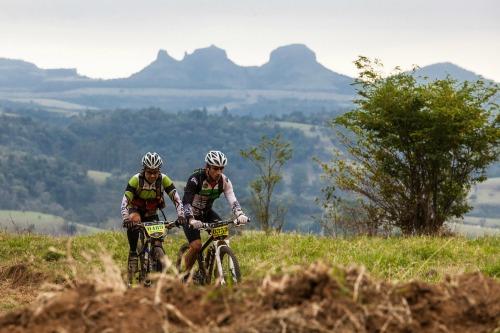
column 218, row 242
column 151, row 236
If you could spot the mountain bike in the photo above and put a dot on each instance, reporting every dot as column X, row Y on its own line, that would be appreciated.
column 215, row 257
column 150, row 250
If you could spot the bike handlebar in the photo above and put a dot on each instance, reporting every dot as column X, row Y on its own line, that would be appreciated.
column 210, row 226
column 168, row 224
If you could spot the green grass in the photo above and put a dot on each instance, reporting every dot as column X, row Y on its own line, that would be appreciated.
column 395, row 259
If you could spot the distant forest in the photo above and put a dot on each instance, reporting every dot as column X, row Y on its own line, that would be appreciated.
column 44, row 158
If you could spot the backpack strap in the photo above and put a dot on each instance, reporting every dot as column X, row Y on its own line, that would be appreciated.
column 221, row 183
column 159, row 187
column 198, row 173
column 141, row 184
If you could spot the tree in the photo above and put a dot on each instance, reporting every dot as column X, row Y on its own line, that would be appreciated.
column 415, row 148
column 268, row 156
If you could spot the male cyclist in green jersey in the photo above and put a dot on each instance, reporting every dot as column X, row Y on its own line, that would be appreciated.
column 142, row 199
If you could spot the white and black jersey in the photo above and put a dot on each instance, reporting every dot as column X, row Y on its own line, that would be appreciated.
column 199, row 194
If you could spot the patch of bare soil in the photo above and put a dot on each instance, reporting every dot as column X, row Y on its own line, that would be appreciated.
column 19, row 284
column 311, row 300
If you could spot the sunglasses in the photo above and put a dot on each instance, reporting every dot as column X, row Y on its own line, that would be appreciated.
column 216, row 168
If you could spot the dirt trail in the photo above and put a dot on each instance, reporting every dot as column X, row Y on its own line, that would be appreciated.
column 311, row 300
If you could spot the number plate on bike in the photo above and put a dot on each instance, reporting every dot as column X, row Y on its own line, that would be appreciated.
column 220, row 231
column 154, row 228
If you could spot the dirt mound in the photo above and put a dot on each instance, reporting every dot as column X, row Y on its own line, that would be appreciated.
column 21, row 275
column 316, row 299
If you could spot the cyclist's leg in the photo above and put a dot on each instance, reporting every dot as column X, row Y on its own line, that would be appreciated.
column 194, row 239
column 132, row 261
column 133, row 236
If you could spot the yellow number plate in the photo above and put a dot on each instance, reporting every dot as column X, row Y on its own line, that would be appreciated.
column 151, row 229
column 220, row 231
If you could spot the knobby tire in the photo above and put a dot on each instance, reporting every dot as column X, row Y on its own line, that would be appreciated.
column 226, row 254
column 158, row 255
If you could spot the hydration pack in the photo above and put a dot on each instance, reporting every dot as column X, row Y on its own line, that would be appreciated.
column 149, row 204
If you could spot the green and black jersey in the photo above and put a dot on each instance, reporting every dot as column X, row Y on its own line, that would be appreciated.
column 145, row 197
column 200, row 193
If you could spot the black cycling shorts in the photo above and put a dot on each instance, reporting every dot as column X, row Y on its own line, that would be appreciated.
column 194, row 234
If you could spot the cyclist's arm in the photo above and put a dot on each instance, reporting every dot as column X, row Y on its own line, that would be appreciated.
column 124, row 208
column 187, row 200
column 171, row 191
column 231, row 197
column 128, row 196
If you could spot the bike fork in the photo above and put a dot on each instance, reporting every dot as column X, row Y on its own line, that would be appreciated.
column 218, row 261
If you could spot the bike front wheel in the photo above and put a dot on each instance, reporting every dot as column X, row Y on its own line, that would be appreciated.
column 159, row 257
column 229, row 271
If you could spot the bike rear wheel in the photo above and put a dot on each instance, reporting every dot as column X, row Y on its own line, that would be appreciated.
column 231, row 273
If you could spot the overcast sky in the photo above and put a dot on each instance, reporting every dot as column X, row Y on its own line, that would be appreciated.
column 108, row 39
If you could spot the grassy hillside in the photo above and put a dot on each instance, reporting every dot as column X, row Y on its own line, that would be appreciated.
column 99, row 177
column 487, row 192
column 28, row 221
column 472, row 229
column 483, row 222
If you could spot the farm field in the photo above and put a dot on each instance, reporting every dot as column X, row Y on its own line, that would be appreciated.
column 36, row 222
column 487, row 192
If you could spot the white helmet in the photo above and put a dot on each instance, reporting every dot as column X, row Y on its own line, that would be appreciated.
column 216, row 158
column 152, row 161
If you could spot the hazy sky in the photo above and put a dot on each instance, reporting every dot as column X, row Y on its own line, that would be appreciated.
column 106, row 39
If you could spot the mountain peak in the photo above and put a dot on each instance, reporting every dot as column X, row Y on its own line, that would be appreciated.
column 443, row 69
column 211, row 53
column 163, row 56
column 293, row 53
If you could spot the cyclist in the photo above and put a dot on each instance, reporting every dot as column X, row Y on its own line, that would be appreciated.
column 202, row 188
column 142, row 199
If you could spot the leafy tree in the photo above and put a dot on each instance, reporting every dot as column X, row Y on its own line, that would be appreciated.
column 268, row 156
column 417, row 149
